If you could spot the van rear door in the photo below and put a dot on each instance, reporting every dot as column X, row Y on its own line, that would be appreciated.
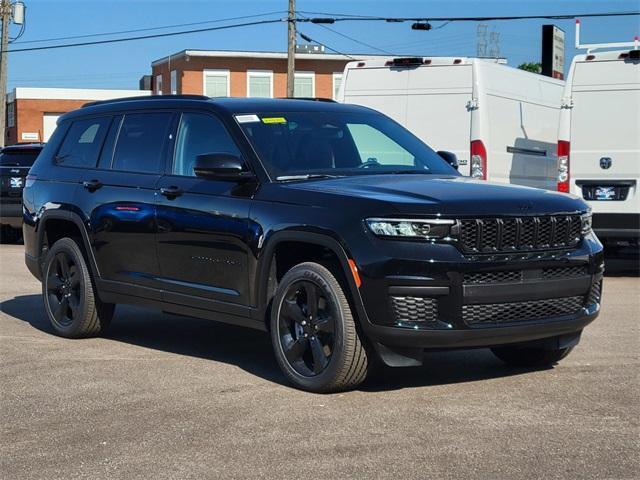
column 605, row 145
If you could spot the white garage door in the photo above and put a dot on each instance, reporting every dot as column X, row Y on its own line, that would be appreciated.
column 49, row 125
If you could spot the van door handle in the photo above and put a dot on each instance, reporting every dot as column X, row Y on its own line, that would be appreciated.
column 92, row 185
column 171, row 192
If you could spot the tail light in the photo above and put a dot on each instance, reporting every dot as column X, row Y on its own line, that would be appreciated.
column 30, row 180
column 563, row 166
column 478, row 160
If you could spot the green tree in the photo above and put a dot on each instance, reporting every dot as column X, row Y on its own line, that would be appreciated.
column 531, row 67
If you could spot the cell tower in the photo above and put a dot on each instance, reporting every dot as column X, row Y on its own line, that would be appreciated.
column 481, row 39
column 494, row 44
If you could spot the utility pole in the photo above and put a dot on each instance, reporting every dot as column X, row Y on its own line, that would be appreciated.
column 291, row 48
column 5, row 15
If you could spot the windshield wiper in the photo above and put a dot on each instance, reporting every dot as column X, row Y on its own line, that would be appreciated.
column 307, row 176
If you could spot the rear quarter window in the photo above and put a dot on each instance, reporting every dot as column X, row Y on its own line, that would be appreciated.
column 83, row 142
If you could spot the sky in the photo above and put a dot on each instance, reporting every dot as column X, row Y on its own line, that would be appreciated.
column 121, row 65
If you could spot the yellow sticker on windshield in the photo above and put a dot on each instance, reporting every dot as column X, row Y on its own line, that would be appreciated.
column 274, row 120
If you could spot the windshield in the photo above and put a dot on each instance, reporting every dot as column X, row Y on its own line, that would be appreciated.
column 336, row 143
column 18, row 158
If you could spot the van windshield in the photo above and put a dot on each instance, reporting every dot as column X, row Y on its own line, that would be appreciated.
column 335, row 143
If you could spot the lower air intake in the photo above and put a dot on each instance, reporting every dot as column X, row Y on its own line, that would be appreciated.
column 414, row 309
column 498, row 313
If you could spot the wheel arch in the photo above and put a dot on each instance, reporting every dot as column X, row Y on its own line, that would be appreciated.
column 58, row 218
column 264, row 284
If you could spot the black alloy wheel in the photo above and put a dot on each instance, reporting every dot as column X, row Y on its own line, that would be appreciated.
column 63, row 289
column 70, row 301
column 306, row 328
column 314, row 335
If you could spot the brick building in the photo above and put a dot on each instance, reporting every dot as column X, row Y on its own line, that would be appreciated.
column 248, row 74
column 32, row 112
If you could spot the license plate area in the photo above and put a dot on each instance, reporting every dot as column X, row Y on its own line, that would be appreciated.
column 604, row 192
column 16, row 182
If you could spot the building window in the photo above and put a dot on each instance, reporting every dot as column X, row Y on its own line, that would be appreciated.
column 260, row 83
column 158, row 84
column 11, row 115
column 337, row 83
column 304, row 85
column 216, row 83
column 174, row 82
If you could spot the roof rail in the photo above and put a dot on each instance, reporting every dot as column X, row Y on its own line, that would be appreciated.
column 311, row 99
column 596, row 46
column 150, row 97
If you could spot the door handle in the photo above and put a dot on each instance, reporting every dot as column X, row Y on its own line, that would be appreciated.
column 171, row 192
column 92, row 185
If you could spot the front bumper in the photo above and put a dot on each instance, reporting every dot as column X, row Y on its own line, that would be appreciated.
column 482, row 300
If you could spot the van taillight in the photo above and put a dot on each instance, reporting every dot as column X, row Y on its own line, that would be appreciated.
column 478, row 160
column 30, row 180
column 564, row 148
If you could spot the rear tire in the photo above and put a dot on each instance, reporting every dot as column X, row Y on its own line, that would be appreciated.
column 69, row 295
column 530, row 357
column 314, row 334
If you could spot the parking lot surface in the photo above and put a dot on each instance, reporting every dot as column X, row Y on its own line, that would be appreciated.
column 163, row 396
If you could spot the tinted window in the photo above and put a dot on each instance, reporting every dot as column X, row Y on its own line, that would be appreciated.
column 18, row 158
column 83, row 142
column 141, row 142
column 198, row 134
column 338, row 143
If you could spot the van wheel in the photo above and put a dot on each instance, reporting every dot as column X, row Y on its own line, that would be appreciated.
column 70, row 300
column 313, row 332
column 530, row 357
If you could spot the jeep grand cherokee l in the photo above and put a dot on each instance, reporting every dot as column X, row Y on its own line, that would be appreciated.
column 15, row 162
column 330, row 226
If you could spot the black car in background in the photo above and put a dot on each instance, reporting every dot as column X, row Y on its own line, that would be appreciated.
column 15, row 162
column 328, row 225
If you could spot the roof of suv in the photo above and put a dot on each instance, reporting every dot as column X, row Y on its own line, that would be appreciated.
column 223, row 104
column 19, row 147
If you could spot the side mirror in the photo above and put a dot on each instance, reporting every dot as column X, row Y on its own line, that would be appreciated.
column 223, row 166
column 449, row 157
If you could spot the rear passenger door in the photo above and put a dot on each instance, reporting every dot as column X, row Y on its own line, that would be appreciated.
column 118, row 199
column 203, row 224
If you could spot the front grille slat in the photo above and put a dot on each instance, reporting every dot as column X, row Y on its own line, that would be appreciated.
column 499, row 313
column 489, row 235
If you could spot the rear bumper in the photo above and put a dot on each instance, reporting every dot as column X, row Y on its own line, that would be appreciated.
column 11, row 214
column 616, row 225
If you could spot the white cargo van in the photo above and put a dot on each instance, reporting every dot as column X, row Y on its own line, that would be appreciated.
column 599, row 140
column 498, row 120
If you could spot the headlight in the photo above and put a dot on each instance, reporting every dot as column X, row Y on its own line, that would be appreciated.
column 586, row 223
column 410, row 228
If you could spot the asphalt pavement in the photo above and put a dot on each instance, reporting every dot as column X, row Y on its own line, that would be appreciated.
column 168, row 397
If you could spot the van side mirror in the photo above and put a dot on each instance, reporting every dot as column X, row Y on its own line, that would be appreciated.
column 222, row 166
column 449, row 157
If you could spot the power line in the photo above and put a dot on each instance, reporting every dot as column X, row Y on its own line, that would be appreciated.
column 355, row 40
column 309, row 39
column 569, row 16
column 145, row 37
column 164, row 27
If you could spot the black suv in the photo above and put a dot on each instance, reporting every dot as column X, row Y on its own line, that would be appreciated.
column 15, row 162
column 328, row 225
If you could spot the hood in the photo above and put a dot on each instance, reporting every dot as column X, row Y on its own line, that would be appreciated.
column 460, row 196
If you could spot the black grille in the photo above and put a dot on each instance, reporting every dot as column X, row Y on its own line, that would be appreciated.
column 414, row 309
column 519, row 234
column 509, row 276
column 565, row 272
column 498, row 313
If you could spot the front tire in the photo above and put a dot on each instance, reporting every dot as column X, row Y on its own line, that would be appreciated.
column 314, row 334
column 530, row 357
column 70, row 300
